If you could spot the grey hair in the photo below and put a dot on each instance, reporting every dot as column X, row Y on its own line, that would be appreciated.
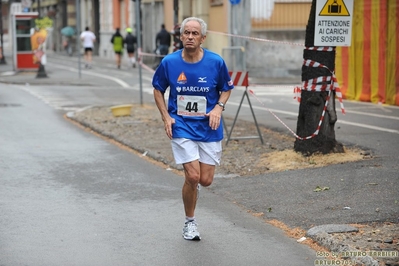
column 200, row 21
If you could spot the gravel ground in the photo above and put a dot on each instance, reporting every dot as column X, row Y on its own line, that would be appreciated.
column 143, row 131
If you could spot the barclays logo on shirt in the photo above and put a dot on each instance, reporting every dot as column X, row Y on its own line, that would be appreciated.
column 192, row 89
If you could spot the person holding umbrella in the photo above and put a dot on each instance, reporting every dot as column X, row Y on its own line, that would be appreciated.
column 68, row 33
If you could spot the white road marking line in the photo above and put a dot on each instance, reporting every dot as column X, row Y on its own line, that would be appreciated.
column 283, row 92
column 369, row 126
column 339, row 121
column 119, row 81
column 371, row 114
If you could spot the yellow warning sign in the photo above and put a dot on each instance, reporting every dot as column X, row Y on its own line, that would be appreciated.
column 334, row 8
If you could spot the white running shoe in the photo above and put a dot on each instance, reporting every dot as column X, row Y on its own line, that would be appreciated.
column 190, row 231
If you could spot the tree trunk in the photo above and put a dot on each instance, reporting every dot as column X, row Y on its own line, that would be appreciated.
column 312, row 102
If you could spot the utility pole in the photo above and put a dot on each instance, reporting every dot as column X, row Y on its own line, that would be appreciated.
column 38, row 8
column 2, row 59
column 78, row 40
column 138, row 31
column 41, row 73
column 175, row 11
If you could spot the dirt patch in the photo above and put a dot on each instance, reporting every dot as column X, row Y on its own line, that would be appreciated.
column 143, row 130
column 291, row 160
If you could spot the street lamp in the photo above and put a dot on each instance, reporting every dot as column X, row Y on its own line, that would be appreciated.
column 38, row 8
column 138, row 33
column 2, row 59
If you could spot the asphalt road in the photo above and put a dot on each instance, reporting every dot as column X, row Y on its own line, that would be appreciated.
column 68, row 197
column 42, row 165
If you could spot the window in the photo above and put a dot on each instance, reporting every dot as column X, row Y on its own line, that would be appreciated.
column 24, row 26
column 216, row 2
column 23, row 44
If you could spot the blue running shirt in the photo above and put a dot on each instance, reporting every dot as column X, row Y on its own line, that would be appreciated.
column 194, row 91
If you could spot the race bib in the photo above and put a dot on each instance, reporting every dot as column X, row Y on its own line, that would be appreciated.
column 189, row 105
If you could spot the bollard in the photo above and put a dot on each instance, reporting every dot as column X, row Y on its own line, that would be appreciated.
column 41, row 73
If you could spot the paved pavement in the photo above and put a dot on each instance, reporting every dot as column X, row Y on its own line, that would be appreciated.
column 69, row 198
column 288, row 194
column 348, row 182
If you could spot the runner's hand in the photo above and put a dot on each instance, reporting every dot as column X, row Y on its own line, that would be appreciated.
column 215, row 117
column 168, row 122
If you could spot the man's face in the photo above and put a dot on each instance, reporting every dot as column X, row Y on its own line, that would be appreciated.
column 192, row 37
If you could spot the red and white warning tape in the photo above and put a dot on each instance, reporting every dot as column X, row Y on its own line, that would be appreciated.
column 327, row 85
column 140, row 60
column 253, row 38
column 153, row 55
column 289, row 129
column 324, row 83
column 321, row 48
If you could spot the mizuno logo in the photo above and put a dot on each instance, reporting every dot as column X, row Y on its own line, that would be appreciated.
column 202, row 79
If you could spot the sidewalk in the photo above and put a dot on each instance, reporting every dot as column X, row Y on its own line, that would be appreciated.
column 55, row 76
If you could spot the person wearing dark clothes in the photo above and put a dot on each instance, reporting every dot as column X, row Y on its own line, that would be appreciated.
column 177, row 43
column 117, row 41
column 162, row 41
column 130, row 41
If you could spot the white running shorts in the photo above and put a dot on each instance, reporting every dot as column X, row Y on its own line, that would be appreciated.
column 186, row 150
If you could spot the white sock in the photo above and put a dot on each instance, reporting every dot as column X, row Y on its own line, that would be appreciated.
column 190, row 219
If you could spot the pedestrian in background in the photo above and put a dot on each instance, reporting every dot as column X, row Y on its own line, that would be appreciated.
column 67, row 43
column 131, row 41
column 199, row 87
column 162, row 42
column 177, row 43
column 88, row 38
column 117, row 40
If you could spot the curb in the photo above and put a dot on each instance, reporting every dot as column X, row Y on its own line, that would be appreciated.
column 321, row 235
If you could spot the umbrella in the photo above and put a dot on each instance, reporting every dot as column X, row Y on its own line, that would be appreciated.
column 68, row 31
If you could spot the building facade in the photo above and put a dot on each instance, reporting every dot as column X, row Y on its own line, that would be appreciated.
column 264, row 37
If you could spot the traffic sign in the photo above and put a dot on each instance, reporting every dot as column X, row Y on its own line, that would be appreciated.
column 333, row 22
column 334, row 8
column 26, row 4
